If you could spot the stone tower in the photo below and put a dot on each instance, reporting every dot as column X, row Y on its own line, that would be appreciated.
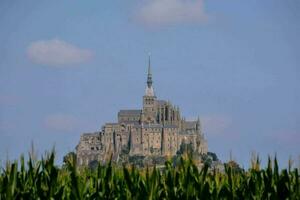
column 149, row 98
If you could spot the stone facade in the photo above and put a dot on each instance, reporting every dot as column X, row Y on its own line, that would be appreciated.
column 158, row 129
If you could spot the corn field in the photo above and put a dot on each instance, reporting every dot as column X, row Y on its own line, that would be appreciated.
column 43, row 180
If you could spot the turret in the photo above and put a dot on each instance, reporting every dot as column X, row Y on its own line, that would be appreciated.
column 198, row 125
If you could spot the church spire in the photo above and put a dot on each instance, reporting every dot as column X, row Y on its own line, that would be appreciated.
column 149, row 77
column 149, row 88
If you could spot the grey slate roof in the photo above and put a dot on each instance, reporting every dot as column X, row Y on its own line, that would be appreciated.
column 129, row 112
column 161, row 102
column 90, row 134
column 155, row 126
column 190, row 124
column 170, row 126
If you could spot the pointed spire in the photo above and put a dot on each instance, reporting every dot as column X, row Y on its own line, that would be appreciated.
column 149, row 77
column 149, row 88
column 149, row 63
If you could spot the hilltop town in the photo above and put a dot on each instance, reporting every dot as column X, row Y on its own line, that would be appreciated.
column 151, row 134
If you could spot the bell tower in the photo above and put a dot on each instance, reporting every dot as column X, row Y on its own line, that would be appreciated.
column 149, row 98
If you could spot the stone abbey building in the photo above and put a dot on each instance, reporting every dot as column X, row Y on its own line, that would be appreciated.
column 158, row 129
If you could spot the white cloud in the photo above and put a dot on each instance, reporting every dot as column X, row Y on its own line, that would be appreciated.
column 61, row 122
column 56, row 52
column 165, row 12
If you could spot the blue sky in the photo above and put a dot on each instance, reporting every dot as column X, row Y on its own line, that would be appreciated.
column 67, row 67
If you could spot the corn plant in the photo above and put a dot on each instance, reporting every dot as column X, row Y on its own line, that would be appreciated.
column 42, row 179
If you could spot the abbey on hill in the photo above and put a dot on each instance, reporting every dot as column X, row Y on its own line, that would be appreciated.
column 158, row 129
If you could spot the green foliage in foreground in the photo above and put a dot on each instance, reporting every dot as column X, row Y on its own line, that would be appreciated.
column 43, row 180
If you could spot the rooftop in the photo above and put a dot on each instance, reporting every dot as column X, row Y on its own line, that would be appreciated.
column 129, row 112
